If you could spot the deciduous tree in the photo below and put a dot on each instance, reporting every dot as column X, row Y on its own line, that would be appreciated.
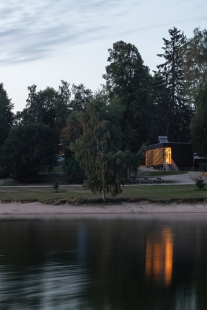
column 80, row 97
column 49, row 107
column 98, row 147
column 128, row 80
column 28, row 150
column 195, row 64
column 199, row 123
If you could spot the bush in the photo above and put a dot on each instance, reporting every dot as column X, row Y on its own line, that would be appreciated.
column 55, row 185
column 200, row 180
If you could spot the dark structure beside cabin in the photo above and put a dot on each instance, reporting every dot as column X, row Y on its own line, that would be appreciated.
column 170, row 155
column 200, row 163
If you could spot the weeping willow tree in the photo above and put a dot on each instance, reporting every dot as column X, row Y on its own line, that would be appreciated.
column 98, row 146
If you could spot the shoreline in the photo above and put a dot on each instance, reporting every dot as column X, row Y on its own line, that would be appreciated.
column 38, row 209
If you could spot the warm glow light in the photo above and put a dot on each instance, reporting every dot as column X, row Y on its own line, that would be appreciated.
column 167, row 155
column 159, row 256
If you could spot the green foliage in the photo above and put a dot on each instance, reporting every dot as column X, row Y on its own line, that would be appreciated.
column 98, row 147
column 200, row 180
column 71, row 166
column 55, row 185
column 70, row 133
column 128, row 80
column 4, row 128
column 161, row 98
column 80, row 97
column 132, row 161
column 198, row 124
column 28, row 150
column 177, row 114
column 195, row 65
column 6, row 114
column 49, row 107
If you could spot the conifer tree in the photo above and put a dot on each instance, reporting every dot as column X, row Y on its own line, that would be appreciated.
column 171, row 71
column 6, row 114
column 160, row 99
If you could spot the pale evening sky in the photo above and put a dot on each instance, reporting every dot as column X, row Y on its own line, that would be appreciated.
column 45, row 41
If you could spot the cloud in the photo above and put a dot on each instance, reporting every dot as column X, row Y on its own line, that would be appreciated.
column 33, row 30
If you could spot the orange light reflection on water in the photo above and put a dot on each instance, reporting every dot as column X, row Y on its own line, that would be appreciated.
column 159, row 256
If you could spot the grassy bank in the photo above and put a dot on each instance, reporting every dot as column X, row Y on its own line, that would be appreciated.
column 130, row 193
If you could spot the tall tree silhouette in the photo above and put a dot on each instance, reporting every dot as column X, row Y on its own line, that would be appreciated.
column 6, row 114
column 127, row 79
column 171, row 71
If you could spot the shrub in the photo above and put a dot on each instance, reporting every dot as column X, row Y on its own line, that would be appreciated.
column 55, row 185
column 200, row 180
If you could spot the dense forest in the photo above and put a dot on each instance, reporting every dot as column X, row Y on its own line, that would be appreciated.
column 106, row 132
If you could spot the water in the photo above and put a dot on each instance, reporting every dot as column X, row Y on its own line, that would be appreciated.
column 144, row 262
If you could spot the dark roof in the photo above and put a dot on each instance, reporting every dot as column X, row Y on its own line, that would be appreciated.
column 169, row 144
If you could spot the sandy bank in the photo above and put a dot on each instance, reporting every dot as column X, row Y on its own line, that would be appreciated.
column 123, row 208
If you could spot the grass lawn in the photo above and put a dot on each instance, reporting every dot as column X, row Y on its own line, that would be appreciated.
column 161, row 173
column 154, row 192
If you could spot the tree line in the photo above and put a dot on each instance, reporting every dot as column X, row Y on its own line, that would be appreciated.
column 105, row 132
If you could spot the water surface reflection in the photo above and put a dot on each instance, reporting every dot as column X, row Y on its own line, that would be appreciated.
column 159, row 256
column 103, row 264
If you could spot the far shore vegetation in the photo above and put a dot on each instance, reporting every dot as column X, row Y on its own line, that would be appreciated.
column 99, row 139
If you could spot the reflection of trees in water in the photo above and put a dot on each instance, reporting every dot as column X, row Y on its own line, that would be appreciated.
column 31, row 243
column 185, row 298
column 119, row 267
column 49, row 287
column 104, row 262
column 38, row 266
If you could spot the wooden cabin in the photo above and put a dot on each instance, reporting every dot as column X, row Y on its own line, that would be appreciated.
column 170, row 155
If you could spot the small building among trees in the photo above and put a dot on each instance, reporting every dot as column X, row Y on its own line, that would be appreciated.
column 170, row 155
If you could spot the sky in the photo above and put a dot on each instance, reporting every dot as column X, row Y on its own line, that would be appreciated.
column 45, row 41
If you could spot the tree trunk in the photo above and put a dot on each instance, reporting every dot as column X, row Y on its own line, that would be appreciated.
column 104, row 195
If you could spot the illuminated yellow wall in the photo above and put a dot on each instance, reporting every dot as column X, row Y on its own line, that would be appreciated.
column 149, row 158
column 167, row 155
column 158, row 156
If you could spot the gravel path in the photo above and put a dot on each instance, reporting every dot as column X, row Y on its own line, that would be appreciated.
column 181, row 178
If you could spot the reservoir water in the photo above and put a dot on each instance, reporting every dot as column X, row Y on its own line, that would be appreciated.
column 136, row 262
